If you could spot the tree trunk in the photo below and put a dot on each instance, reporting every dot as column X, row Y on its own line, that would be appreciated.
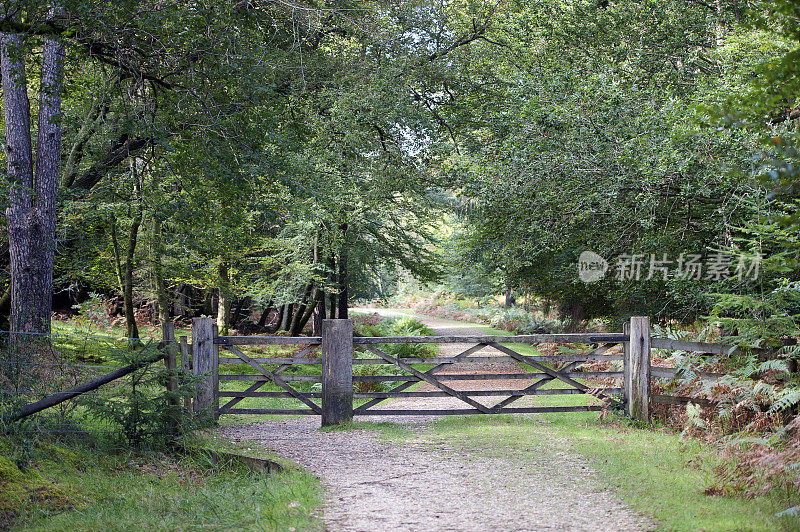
column 158, row 273
column 287, row 314
column 224, row 297
column 31, row 214
column 91, row 122
column 281, row 309
column 130, row 313
column 262, row 321
column 300, row 310
column 319, row 312
column 5, row 308
column 308, row 313
column 237, row 312
column 510, row 299
column 332, row 296
column 117, row 255
column 343, row 281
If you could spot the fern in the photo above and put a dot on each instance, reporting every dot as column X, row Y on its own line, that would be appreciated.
column 775, row 364
column 785, row 399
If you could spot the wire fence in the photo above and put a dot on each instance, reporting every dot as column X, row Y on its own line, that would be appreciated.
column 36, row 367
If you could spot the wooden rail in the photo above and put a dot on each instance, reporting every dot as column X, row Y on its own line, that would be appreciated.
column 337, row 343
column 335, row 402
column 578, row 338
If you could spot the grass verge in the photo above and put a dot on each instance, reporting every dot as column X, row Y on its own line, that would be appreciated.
column 658, row 474
column 71, row 487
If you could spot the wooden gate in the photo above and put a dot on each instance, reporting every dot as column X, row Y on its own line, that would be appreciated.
column 531, row 368
column 319, row 373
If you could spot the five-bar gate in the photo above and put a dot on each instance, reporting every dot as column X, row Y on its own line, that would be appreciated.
column 328, row 389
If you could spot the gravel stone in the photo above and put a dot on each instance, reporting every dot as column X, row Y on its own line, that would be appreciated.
column 426, row 484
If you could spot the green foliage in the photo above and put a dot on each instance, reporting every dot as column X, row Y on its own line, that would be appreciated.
column 407, row 326
column 454, row 306
column 140, row 411
column 373, row 325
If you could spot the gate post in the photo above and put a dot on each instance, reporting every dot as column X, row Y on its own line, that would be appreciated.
column 205, row 358
column 626, row 367
column 637, row 370
column 337, row 372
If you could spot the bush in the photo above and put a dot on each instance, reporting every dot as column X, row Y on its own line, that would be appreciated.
column 485, row 310
column 376, row 326
column 408, row 326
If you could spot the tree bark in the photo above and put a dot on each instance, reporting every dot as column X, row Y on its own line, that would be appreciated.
column 308, row 313
column 223, row 299
column 31, row 214
column 510, row 299
column 117, row 255
column 93, row 119
column 158, row 273
column 237, row 311
column 262, row 320
column 281, row 309
column 133, row 238
column 319, row 312
column 300, row 310
column 287, row 314
column 5, row 308
column 130, row 313
column 343, row 281
column 118, row 153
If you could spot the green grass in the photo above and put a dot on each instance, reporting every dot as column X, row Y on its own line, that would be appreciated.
column 79, row 489
column 386, row 429
column 658, row 474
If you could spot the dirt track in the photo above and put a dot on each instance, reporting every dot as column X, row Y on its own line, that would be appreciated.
column 427, row 484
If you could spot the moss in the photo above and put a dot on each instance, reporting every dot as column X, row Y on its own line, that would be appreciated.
column 9, row 472
column 24, row 492
column 65, row 456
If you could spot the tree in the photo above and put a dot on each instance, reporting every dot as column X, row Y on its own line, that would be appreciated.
column 599, row 140
column 31, row 214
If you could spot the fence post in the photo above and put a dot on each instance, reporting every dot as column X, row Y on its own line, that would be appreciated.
column 206, row 364
column 637, row 385
column 186, row 366
column 626, row 366
column 337, row 372
column 171, row 360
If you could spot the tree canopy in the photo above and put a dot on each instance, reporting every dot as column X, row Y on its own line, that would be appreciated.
column 270, row 160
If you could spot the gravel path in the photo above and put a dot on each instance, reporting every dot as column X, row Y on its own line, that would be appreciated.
column 425, row 484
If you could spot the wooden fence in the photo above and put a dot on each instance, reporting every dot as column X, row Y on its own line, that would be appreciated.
column 334, row 403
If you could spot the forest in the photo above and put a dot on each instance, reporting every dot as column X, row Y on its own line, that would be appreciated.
column 269, row 162
column 275, row 163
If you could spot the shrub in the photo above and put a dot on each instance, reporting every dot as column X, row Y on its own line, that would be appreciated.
column 141, row 411
column 371, row 370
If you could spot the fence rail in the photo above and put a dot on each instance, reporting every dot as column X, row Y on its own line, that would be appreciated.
column 334, row 402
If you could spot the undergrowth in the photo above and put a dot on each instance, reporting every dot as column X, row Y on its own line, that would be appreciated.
column 76, row 485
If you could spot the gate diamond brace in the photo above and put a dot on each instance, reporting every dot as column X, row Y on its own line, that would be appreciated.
column 273, row 376
column 464, row 354
column 513, row 395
